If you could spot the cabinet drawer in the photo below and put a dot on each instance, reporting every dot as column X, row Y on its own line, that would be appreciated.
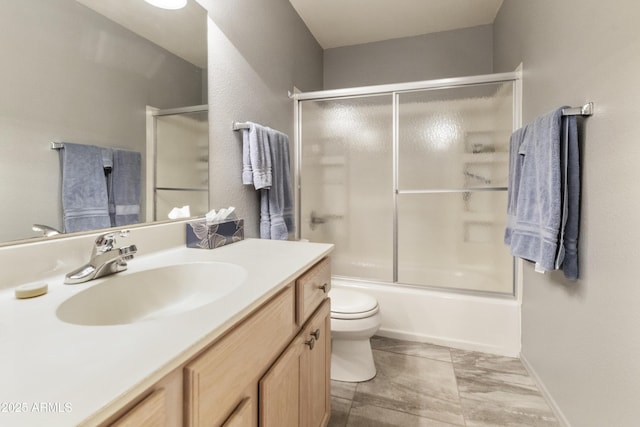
column 312, row 288
column 150, row 412
column 216, row 380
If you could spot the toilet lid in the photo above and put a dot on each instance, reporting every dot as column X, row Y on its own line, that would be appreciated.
column 346, row 301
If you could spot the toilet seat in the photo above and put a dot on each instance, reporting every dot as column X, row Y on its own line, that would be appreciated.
column 348, row 304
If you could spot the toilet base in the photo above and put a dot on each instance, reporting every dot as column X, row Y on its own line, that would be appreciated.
column 352, row 360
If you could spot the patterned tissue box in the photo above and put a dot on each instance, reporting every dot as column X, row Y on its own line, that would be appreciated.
column 203, row 236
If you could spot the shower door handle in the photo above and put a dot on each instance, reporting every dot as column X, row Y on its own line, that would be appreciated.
column 322, row 219
column 316, row 220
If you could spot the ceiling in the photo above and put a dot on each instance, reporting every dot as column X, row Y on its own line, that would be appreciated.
column 182, row 32
column 336, row 23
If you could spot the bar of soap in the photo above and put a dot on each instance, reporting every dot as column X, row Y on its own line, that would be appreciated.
column 31, row 290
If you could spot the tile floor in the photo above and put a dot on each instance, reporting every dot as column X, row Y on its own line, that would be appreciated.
column 424, row 385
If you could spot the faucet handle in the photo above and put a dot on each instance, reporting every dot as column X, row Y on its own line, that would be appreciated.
column 105, row 242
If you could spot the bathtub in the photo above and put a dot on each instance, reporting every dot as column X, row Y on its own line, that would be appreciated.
column 469, row 322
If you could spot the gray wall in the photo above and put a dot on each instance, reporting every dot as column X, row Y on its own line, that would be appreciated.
column 258, row 50
column 582, row 339
column 454, row 53
column 69, row 74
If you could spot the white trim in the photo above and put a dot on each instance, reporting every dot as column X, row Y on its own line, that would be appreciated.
column 545, row 392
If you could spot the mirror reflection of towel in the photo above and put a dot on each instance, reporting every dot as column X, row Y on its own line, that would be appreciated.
column 124, row 191
column 84, row 188
column 100, row 187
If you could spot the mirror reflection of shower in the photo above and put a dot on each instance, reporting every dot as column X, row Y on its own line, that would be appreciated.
column 178, row 166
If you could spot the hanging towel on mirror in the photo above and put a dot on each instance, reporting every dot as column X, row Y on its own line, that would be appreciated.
column 84, row 188
column 124, row 191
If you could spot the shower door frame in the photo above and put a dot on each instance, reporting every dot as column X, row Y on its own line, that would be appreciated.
column 152, row 155
column 395, row 90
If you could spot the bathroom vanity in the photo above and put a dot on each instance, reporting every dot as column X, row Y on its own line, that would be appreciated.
column 259, row 355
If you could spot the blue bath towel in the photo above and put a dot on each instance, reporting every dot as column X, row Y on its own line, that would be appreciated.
column 276, row 202
column 124, row 192
column 534, row 222
column 84, row 188
column 544, row 193
column 571, row 229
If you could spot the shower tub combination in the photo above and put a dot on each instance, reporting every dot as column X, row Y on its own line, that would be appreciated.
column 409, row 182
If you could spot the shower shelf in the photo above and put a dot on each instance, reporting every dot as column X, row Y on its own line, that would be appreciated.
column 479, row 217
column 495, row 157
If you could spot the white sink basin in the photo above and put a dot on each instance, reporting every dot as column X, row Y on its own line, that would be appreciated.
column 126, row 298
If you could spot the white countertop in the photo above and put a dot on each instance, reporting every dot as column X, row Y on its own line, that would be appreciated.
column 60, row 374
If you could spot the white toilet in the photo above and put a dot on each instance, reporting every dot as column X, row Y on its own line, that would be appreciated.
column 354, row 320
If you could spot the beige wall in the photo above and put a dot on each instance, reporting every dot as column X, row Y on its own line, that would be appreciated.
column 582, row 339
column 258, row 50
column 456, row 53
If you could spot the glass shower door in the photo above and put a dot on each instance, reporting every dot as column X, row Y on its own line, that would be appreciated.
column 346, row 174
column 181, row 163
column 453, row 149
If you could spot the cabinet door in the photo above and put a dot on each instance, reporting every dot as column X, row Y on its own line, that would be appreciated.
column 216, row 381
column 315, row 369
column 279, row 390
column 242, row 416
column 150, row 412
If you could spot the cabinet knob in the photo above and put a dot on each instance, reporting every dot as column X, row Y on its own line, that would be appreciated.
column 324, row 287
column 311, row 342
column 316, row 334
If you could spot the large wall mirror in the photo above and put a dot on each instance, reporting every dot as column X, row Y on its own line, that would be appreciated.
column 93, row 72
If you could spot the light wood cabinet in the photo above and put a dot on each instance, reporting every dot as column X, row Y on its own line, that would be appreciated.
column 295, row 392
column 315, row 369
column 269, row 369
column 151, row 412
column 219, row 379
column 311, row 289
column 242, row 416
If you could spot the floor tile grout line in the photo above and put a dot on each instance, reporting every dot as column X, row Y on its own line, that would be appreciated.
column 455, row 376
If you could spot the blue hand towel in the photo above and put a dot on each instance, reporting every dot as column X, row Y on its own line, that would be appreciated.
column 256, row 157
column 535, row 220
column 84, row 188
column 125, row 187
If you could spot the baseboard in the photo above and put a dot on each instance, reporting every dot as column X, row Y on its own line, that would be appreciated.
column 446, row 342
column 545, row 393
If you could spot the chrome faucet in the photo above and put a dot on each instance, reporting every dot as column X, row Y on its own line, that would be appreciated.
column 105, row 259
column 46, row 230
